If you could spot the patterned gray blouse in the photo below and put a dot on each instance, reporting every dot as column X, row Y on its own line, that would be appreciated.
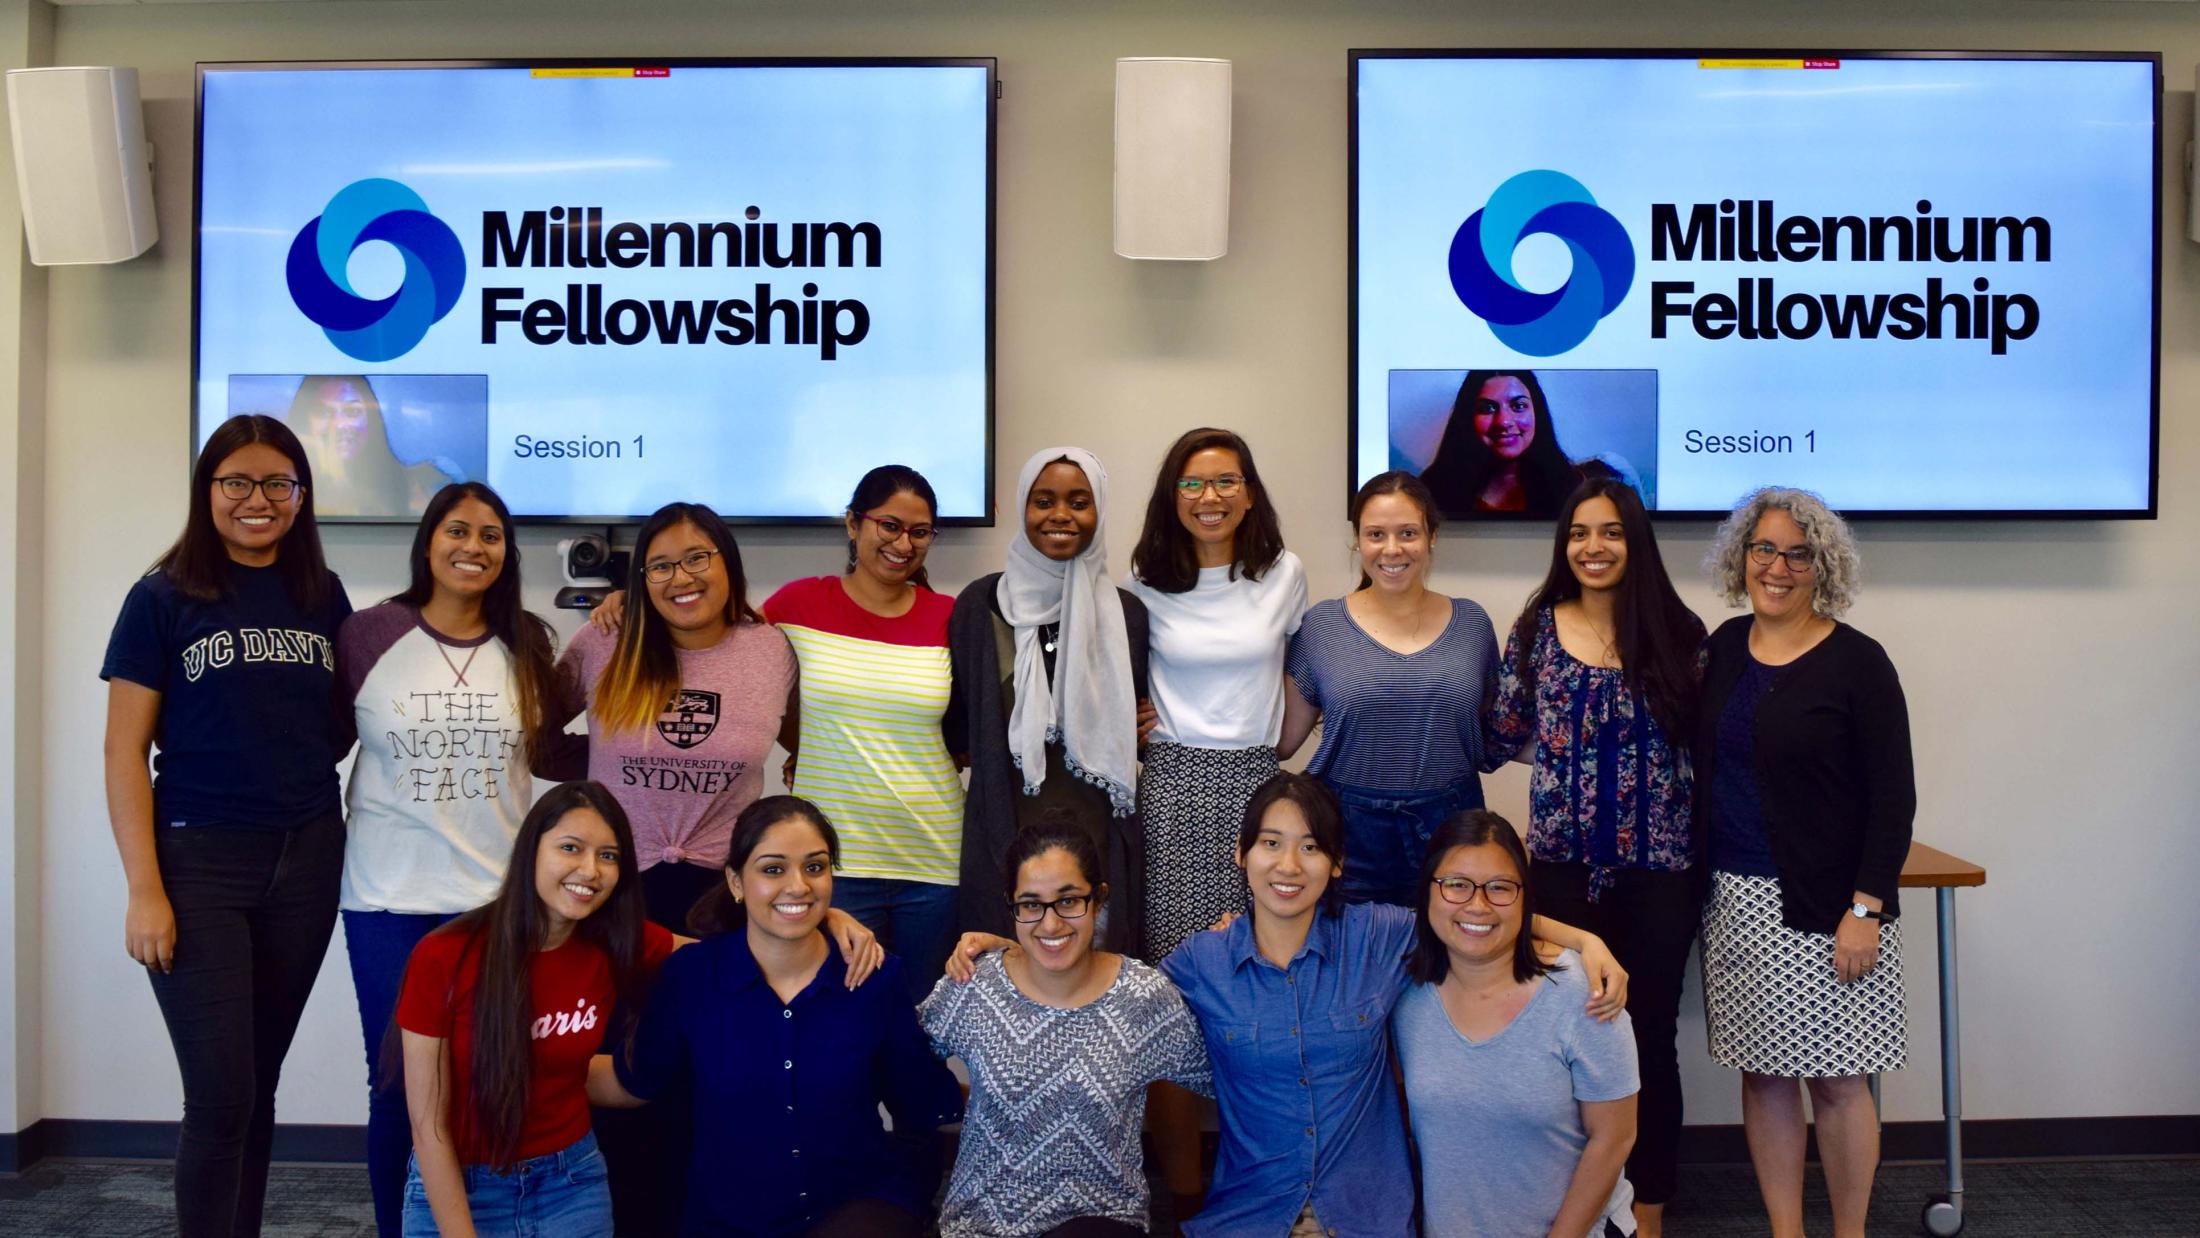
column 1057, row 1097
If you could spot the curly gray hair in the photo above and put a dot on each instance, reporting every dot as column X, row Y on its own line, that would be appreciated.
column 1838, row 570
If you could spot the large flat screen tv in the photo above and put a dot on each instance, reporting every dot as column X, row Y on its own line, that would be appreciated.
column 1921, row 284
column 603, row 286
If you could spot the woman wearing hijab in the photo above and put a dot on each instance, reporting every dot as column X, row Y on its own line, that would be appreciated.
column 1049, row 667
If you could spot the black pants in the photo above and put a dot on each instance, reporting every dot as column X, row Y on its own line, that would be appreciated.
column 254, row 910
column 1649, row 921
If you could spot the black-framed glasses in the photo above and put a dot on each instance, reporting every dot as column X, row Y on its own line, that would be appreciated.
column 1069, row 907
column 694, row 563
column 1501, row 891
column 1763, row 553
column 892, row 529
column 1225, row 487
column 277, row 489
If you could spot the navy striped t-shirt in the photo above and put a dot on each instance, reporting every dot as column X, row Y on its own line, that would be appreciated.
column 1392, row 721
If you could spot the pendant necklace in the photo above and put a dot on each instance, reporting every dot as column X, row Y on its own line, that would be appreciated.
column 1049, row 634
column 456, row 669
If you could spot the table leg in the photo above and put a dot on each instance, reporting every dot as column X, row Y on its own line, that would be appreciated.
column 1944, row 1213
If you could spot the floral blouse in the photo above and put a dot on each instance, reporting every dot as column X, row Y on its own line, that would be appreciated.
column 1609, row 788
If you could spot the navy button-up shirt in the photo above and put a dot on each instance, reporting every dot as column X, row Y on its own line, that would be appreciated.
column 787, row 1093
column 1302, row 1072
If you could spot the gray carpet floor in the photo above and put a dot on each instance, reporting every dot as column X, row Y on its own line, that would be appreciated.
column 107, row 1199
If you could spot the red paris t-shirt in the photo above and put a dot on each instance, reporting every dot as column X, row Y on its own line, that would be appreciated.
column 573, row 995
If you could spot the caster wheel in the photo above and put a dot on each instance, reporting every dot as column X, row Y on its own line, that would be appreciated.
column 1942, row 1216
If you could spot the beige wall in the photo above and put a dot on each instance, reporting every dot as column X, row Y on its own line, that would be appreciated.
column 2051, row 667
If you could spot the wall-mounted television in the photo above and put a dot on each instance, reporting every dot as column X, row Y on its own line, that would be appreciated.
column 1919, row 283
column 603, row 285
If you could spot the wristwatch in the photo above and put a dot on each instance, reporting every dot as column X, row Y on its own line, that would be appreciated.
column 1861, row 912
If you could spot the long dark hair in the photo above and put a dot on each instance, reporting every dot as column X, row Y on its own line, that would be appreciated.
column 1658, row 635
column 198, row 562
column 643, row 674
column 1463, row 463
column 1324, row 820
column 716, row 911
column 1164, row 557
column 508, row 931
column 1473, row 827
column 526, row 636
column 881, row 484
column 1396, row 481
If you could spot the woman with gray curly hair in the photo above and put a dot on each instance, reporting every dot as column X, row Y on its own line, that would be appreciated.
column 1804, row 783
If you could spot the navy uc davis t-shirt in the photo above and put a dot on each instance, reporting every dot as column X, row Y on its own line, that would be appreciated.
column 247, row 732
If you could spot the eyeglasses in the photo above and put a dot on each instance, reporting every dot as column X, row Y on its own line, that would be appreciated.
column 277, row 489
column 1501, row 891
column 694, row 563
column 1225, row 487
column 1763, row 553
column 1069, row 907
column 892, row 529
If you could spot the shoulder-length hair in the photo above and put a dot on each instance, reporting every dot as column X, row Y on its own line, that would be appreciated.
column 881, row 484
column 1165, row 558
column 1399, row 482
column 1463, row 463
column 198, row 562
column 1836, row 569
column 643, row 674
column 1324, row 820
column 507, row 932
column 532, row 645
column 1658, row 636
column 716, row 911
column 1473, row 827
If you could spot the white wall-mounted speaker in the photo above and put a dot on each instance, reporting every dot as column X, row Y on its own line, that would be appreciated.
column 81, row 164
column 1172, row 158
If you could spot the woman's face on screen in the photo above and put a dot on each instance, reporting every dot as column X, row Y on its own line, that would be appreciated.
column 339, row 419
column 1504, row 417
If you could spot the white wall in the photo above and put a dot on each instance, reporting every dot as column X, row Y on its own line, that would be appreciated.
column 2051, row 667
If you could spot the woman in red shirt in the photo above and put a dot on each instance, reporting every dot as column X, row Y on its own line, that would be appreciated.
column 503, row 1011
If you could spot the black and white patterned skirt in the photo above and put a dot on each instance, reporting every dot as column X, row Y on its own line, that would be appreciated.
column 1772, row 1001
column 1192, row 800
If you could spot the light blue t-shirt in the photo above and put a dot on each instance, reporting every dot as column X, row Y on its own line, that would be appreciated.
column 1498, row 1121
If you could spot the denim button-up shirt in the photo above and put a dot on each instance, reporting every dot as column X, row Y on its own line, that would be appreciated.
column 1302, row 1073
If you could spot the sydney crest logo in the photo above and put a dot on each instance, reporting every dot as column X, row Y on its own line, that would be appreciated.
column 435, row 270
column 1541, row 324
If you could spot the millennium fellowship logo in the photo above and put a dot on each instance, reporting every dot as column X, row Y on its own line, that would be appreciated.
column 1541, row 324
column 320, row 257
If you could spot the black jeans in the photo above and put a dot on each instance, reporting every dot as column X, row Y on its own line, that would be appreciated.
column 254, row 910
column 1649, row 920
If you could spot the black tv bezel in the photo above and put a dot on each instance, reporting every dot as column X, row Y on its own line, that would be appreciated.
column 1352, row 248
column 991, row 65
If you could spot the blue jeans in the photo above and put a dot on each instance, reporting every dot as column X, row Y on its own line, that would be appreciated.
column 914, row 919
column 1386, row 836
column 380, row 943
column 561, row 1195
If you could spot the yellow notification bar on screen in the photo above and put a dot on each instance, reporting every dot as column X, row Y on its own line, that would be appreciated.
column 605, row 71
column 1754, row 63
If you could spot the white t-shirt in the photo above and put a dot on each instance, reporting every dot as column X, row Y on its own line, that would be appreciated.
column 1216, row 659
column 441, row 783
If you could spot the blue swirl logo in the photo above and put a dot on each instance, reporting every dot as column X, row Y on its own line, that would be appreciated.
column 435, row 270
column 1541, row 324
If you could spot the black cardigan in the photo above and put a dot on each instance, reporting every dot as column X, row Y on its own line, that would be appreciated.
column 977, row 727
column 1832, row 742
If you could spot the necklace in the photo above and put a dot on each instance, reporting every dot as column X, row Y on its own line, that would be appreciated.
column 1049, row 635
column 456, row 670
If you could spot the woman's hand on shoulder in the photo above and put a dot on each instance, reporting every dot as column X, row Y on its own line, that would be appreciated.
column 605, row 618
column 859, row 947
column 962, row 962
column 1607, row 980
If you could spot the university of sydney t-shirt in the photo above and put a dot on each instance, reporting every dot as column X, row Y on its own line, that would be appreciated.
column 248, row 731
column 572, row 995
column 440, row 785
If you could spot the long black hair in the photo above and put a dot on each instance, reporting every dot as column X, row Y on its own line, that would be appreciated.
column 198, row 562
column 643, row 674
column 507, row 932
column 531, row 645
column 717, row 911
column 1463, row 463
column 1473, row 827
column 881, row 484
column 1165, row 558
column 1658, row 636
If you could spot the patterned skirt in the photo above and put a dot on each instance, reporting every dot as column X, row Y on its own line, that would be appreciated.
column 1192, row 801
column 1772, row 1001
